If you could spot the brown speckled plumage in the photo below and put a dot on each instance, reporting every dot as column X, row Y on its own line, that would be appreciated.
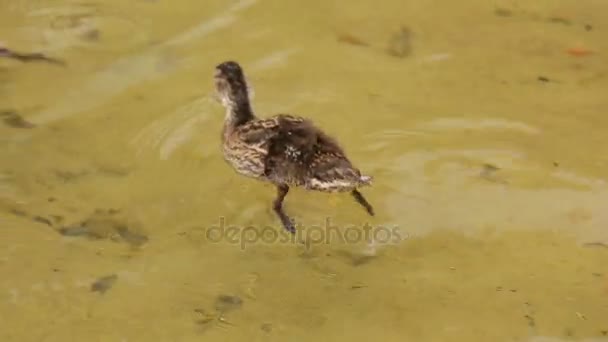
column 285, row 150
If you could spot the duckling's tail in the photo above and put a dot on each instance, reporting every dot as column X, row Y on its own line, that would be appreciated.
column 365, row 180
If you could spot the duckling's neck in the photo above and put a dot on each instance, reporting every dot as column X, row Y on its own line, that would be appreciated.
column 238, row 110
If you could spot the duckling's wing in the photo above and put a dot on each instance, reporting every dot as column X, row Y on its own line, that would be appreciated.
column 288, row 143
column 257, row 132
column 287, row 129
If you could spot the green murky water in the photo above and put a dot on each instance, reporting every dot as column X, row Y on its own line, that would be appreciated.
column 483, row 123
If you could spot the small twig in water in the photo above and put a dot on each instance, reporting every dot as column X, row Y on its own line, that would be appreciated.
column 29, row 57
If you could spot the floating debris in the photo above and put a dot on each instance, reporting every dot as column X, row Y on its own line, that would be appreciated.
column 543, row 79
column 104, row 225
column 358, row 260
column 132, row 238
column 489, row 168
column 103, row 284
column 205, row 317
column 352, row 40
column 488, row 173
column 69, row 176
column 555, row 19
column 559, row 20
column 503, row 12
column 36, row 218
column 18, row 212
column 358, row 286
column 266, row 327
column 66, row 176
column 531, row 322
column 43, row 220
column 91, row 35
column 223, row 304
column 29, row 57
column 13, row 119
column 595, row 244
column 226, row 303
column 400, row 43
column 579, row 51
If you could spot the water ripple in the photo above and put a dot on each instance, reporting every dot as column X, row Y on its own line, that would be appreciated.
column 170, row 131
column 478, row 124
column 129, row 71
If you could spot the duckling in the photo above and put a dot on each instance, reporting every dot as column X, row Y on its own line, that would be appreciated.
column 284, row 150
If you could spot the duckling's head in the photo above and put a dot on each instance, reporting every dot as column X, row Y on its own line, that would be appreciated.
column 230, row 84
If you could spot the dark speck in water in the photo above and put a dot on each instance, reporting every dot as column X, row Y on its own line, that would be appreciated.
column 132, row 238
column 69, row 176
column 75, row 175
column 530, row 320
column 361, row 259
column 92, row 35
column 595, row 244
column 489, row 171
column 503, row 12
column 13, row 119
column 18, row 212
column 112, row 171
column 57, row 218
column 104, row 225
column 352, row 40
column 43, row 220
column 400, row 43
column 266, row 327
column 225, row 303
column 559, row 20
column 111, row 211
column 543, row 79
column 78, row 230
column 204, row 316
column 103, row 284
column 29, row 57
column 588, row 27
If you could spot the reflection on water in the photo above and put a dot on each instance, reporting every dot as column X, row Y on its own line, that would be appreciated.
column 482, row 123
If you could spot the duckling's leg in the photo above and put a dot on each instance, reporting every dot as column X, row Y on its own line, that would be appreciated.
column 361, row 200
column 282, row 190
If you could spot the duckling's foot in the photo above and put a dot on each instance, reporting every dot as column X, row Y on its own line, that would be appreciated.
column 282, row 191
column 361, row 200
